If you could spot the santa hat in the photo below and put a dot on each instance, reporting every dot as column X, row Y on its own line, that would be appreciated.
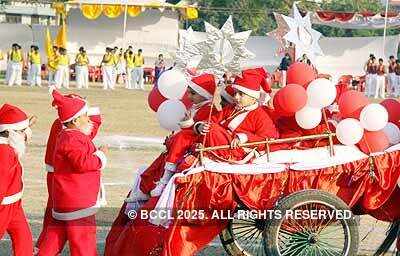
column 248, row 84
column 12, row 118
column 68, row 107
column 264, row 74
column 228, row 93
column 204, row 85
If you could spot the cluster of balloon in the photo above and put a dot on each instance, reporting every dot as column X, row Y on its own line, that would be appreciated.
column 169, row 99
column 304, row 96
column 374, row 127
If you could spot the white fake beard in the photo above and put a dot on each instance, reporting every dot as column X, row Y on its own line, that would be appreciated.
column 87, row 128
column 17, row 142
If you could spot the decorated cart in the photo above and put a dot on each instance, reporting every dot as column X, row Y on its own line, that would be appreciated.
column 257, row 203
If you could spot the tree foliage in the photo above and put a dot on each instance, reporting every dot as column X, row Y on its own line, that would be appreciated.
column 256, row 15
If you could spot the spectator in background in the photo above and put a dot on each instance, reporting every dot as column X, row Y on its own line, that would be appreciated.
column 380, row 80
column 138, row 70
column 107, row 64
column 283, row 67
column 82, row 69
column 62, row 72
column 34, row 71
column 119, row 65
column 14, row 66
column 370, row 76
column 130, row 65
column 391, row 75
column 159, row 67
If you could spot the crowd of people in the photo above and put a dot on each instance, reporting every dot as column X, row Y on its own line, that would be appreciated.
column 117, row 66
column 382, row 79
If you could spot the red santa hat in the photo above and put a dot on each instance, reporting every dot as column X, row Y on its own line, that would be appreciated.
column 68, row 107
column 204, row 85
column 265, row 85
column 228, row 93
column 12, row 118
column 248, row 84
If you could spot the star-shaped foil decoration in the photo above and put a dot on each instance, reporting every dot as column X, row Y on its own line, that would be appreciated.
column 224, row 50
column 303, row 35
column 185, row 56
column 281, row 30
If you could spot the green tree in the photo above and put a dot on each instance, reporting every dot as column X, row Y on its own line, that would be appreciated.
column 256, row 15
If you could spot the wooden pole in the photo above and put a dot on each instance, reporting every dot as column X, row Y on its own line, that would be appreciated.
column 270, row 142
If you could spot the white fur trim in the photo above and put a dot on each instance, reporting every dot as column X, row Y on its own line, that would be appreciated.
column 3, row 140
column 78, row 114
column 200, row 90
column 12, row 199
column 227, row 96
column 65, row 216
column 100, row 154
column 244, row 168
column 242, row 137
column 251, row 93
column 49, row 168
column 237, row 120
column 15, row 126
column 93, row 111
column 186, row 123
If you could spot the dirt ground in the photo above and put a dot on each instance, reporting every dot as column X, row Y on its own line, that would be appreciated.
column 125, row 113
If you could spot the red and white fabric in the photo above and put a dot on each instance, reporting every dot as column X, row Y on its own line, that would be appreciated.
column 12, row 216
column 12, row 118
column 204, row 85
column 68, row 108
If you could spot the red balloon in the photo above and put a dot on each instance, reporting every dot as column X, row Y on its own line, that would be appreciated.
column 373, row 142
column 301, row 74
column 292, row 98
column 185, row 99
column 393, row 108
column 351, row 103
column 155, row 99
column 277, row 105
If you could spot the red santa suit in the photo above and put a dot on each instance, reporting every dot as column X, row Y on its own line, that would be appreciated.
column 95, row 118
column 248, row 124
column 12, row 216
column 76, row 189
column 179, row 143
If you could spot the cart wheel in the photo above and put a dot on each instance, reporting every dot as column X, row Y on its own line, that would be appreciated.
column 321, row 235
column 244, row 237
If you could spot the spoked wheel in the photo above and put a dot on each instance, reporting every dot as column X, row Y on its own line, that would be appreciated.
column 330, row 230
column 244, row 236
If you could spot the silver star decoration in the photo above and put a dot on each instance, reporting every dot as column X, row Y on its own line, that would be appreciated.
column 303, row 35
column 223, row 50
column 186, row 54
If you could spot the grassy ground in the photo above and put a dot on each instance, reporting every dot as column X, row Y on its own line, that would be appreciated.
column 125, row 112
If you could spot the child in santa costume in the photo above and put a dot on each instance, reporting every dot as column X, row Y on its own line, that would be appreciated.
column 14, row 128
column 56, row 128
column 156, row 176
column 77, row 192
column 241, row 123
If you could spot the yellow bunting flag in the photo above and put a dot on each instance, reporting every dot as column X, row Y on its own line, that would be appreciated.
column 91, row 12
column 112, row 11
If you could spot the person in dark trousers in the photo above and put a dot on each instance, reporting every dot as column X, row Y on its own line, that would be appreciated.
column 283, row 67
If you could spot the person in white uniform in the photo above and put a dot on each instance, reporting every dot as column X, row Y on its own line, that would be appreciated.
column 62, row 73
column 34, row 72
column 15, row 65
column 82, row 69
column 108, row 70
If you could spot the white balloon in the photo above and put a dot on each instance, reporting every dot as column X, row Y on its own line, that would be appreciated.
column 349, row 131
column 392, row 132
column 170, row 113
column 308, row 117
column 320, row 93
column 374, row 117
column 172, row 84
